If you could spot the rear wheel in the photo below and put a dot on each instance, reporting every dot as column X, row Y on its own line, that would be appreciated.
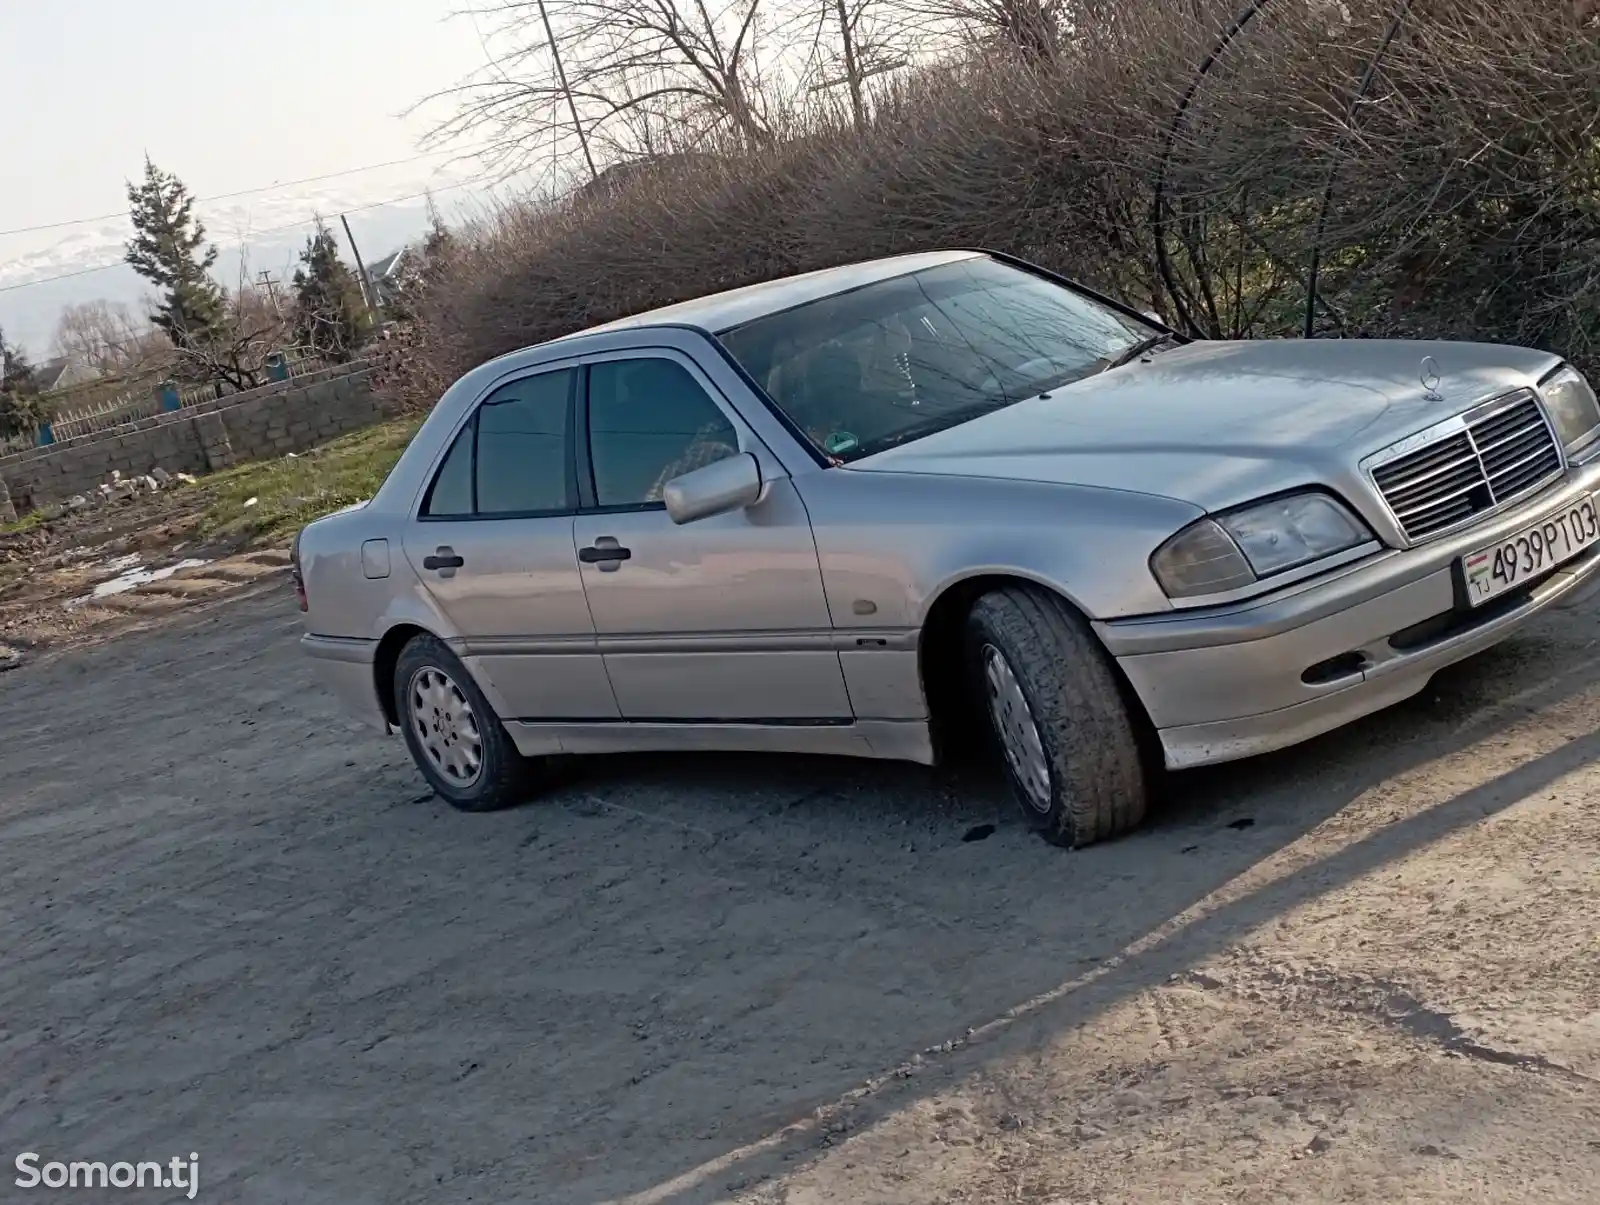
column 454, row 736
column 1057, row 713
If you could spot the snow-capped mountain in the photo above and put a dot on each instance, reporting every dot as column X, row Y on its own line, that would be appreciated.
column 252, row 234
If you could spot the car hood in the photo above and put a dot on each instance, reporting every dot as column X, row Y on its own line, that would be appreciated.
column 1220, row 423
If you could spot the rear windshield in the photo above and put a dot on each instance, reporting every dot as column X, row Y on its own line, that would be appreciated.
column 865, row 370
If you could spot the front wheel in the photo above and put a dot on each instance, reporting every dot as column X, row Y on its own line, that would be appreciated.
column 1059, row 716
column 454, row 736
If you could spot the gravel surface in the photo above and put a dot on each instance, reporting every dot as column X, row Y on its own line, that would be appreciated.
column 234, row 923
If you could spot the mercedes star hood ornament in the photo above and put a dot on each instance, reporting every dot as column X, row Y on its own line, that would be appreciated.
column 1431, row 377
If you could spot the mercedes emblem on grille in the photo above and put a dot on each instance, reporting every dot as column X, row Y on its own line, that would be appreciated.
column 1431, row 378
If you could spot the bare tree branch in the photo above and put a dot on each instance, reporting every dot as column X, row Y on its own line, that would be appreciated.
column 665, row 60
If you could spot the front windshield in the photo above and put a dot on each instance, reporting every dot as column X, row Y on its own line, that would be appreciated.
column 865, row 370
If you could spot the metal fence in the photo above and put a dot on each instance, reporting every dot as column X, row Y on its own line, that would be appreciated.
column 135, row 404
column 113, row 411
column 303, row 363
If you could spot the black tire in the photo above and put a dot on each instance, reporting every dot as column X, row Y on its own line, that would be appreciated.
column 1098, row 780
column 504, row 777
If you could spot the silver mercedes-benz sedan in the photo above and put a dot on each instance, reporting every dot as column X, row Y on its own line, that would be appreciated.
column 864, row 510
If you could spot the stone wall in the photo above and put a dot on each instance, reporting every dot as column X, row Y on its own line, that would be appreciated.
column 285, row 417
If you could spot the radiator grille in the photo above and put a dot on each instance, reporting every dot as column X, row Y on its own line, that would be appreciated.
column 1497, row 459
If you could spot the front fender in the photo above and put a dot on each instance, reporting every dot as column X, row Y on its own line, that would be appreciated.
column 891, row 544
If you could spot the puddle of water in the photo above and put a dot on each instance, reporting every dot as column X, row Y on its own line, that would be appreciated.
column 119, row 564
column 133, row 575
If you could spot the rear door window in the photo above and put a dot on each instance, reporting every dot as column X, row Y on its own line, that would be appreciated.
column 513, row 457
column 522, row 447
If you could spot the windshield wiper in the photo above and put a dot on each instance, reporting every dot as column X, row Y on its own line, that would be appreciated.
column 1139, row 348
column 1051, row 384
column 933, row 426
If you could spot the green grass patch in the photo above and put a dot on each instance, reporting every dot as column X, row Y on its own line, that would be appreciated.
column 290, row 492
column 26, row 523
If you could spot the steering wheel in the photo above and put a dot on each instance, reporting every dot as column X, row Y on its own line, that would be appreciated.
column 1039, row 366
column 1032, row 367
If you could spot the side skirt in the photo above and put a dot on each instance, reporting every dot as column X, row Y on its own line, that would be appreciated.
column 894, row 740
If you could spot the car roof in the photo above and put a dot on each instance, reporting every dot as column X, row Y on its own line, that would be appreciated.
column 718, row 312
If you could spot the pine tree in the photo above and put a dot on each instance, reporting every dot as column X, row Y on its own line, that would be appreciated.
column 330, row 316
column 169, row 249
column 16, row 373
column 19, row 402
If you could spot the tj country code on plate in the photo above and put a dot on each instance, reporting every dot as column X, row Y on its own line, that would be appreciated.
column 1530, row 552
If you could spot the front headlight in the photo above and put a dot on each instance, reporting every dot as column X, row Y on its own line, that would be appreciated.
column 1573, row 409
column 1238, row 548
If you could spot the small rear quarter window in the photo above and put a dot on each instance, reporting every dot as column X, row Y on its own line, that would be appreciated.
column 451, row 491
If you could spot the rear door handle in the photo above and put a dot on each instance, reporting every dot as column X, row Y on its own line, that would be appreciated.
column 606, row 553
column 445, row 558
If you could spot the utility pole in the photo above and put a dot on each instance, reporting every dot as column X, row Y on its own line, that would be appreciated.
column 857, row 76
column 847, row 37
column 271, row 286
column 367, row 295
column 566, row 89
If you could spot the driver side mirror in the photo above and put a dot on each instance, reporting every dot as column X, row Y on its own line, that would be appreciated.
column 720, row 487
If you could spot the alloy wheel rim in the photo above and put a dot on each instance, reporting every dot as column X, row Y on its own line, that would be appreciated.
column 446, row 726
column 1015, row 726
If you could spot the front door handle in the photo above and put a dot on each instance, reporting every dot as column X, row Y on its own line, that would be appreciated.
column 443, row 558
column 606, row 553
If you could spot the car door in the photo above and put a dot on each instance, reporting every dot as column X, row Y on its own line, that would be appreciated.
column 492, row 543
column 720, row 619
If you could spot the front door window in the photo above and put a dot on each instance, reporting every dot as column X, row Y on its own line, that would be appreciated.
column 650, row 421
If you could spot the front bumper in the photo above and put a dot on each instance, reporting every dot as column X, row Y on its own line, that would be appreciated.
column 345, row 666
column 1230, row 682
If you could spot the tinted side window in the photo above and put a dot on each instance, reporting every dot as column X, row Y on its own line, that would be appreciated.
column 522, row 446
column 650, row 421
column 451, row 492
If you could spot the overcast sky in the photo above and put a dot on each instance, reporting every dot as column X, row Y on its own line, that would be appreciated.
column 229, row 95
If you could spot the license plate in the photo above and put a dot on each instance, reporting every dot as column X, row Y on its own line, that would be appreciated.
column 1530, row 552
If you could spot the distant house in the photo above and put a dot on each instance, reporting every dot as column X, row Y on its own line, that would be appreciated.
column 63, row 372
column 388, row 273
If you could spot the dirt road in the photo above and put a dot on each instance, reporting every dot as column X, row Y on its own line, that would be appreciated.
column 232, row 923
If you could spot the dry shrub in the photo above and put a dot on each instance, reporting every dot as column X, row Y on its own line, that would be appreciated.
column 1462, row 184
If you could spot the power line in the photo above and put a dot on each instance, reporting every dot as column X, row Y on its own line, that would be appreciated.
column 243, row 192
column 44, row 280
column 254, row 237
